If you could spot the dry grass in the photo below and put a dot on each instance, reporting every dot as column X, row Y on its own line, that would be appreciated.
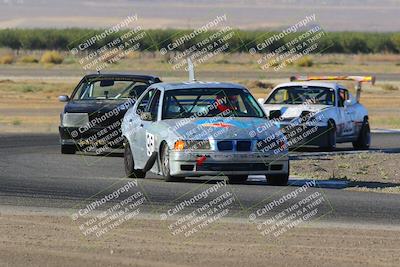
column 235, row 62
column 7, row 59
column 29, row 59
column 364, row 167
column 52, row 57
column 389, row 87
column 305, row 61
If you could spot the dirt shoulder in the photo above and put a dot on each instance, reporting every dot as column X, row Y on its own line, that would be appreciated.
column 33, row 240
column 364, row 171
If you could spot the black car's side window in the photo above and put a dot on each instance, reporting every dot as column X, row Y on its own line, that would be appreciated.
column 145, row 101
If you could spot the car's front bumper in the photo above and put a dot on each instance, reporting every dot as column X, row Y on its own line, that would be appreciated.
column 223, row 163
column 95, row 137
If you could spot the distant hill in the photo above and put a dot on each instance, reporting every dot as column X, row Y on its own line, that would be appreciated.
column 332, row 15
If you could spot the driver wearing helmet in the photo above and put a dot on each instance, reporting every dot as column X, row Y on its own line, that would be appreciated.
column 226, row 103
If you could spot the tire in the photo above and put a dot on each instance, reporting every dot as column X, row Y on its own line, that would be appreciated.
column 129, row 164
column 363, row 141
column 165, row 165
column 278, row 179
column 68, row 149
column 237, row 179
column 330, row 137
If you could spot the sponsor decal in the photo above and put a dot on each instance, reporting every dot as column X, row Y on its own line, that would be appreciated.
column 218, row 125
column 223, row 123
column 149, row 143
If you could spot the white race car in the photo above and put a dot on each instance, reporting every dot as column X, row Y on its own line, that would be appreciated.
column 317, row 113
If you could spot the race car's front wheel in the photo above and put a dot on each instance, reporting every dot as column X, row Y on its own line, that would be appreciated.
column 330, row 137
column 364, row 139
column 278, row 179
column 237, row 179
column 68, row 149
column 165, row 165
column 129, row 163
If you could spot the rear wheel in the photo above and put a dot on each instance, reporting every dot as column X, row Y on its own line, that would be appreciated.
column 129, row 164
column 330, row 137
column 278, row 179
column 165, row 165
column 68, row 149
column 364, row 139
column 237, row 179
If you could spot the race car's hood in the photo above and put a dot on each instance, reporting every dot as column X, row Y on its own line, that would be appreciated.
column 294, row 111
column 221, row 128
column 113, row 109
column 91, row 106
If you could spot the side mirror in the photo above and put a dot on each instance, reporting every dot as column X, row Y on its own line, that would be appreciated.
column 349, row 102
column 63, row 98
column 261, row 101
column 274, row 114
column 146, row 116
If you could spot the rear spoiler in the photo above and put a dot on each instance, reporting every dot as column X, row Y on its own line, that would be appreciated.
column 358, row 79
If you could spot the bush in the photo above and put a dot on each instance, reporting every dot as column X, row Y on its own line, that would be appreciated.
column 29, row 59
column 305, row 62
column 52, row 57
column 7, row 59
column 389, row 87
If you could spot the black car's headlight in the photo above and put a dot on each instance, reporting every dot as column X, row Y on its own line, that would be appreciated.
column 74, row 119
column 192, row 145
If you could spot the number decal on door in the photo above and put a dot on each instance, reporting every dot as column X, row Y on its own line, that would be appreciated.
column 149, row 143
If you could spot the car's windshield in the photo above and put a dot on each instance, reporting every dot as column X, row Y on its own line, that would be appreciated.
column 109, row 89
column 210, row 102
column 299, row 95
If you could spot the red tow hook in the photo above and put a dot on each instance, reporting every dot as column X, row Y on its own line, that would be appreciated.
column 200, row 160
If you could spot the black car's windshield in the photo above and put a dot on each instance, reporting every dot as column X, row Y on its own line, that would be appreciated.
column 299, row 95
column 210, row 102
column 109, row 89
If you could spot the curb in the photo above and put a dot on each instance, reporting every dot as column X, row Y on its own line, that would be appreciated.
column 386, row 131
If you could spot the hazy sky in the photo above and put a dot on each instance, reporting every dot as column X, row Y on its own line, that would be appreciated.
column 364, row 15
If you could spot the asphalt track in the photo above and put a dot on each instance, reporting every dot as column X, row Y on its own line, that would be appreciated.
column 33, row 173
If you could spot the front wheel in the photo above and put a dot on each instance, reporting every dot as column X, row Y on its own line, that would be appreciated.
column 364, row 139
column 129, row 164
column 330, row 137
column 165, row 165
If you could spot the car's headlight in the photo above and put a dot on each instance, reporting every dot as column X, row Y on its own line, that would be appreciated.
column 75, row 119
column 192, row 145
